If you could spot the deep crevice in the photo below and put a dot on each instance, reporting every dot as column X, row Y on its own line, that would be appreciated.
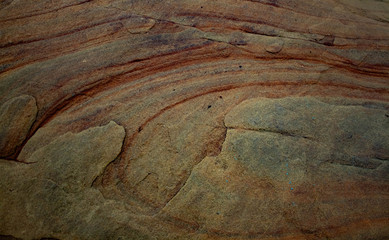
column 186, row 180
column 276, row 131
column 118, row 157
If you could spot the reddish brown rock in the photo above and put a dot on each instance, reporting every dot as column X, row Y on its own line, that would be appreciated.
column 207, row 101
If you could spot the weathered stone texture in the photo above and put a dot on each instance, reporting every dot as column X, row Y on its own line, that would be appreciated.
column 194, row 119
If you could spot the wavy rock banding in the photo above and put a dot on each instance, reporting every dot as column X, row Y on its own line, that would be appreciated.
column 17, row 115
column 252, row 119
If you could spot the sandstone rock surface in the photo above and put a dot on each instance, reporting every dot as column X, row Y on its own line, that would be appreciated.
column 16, row 118
column 53, row 193
column 277, row 173
column 194, row 119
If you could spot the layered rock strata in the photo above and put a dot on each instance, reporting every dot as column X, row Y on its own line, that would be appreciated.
column 257, row 119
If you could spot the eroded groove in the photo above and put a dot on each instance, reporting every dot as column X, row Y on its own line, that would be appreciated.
column 117, row 158
column 16, row 161
column 261, row 22
column 274, row 3
column 181, row 186
column 364, row 163
column 61, row 34
column 276, row 131
column 47, row 12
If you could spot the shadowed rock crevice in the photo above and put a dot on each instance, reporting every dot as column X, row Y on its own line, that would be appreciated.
column 218, row 146
column 362, row 162
column 17, row 116
column 285, row 133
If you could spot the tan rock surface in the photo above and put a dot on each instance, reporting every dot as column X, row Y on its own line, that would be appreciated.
column 277, row 174
column 53, row 193
column 180, row 119
column 16, row 118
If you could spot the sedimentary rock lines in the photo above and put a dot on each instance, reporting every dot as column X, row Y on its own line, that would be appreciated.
column 177, row 119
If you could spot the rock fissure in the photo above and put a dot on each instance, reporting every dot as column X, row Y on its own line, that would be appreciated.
column 276, row 131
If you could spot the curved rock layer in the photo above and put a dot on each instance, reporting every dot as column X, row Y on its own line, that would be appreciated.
column 249, row 119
